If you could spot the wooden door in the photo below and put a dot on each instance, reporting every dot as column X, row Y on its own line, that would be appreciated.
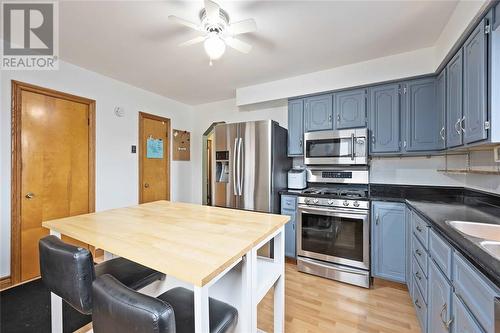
column 350, row 109
column 56, row 173
column 154, row 166
column 385, row 119
column 318, row 115
column 295, row 127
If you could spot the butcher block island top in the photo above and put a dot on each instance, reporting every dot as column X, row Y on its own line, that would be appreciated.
column 193, row 243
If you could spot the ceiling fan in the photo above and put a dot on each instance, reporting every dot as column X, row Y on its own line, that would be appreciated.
column 217, row 31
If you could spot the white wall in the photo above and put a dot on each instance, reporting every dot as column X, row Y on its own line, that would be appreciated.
column 413, row 63
column 116, row 167
column 393, row 67
column 226, row 111
column 484, row 160
column 464, row 13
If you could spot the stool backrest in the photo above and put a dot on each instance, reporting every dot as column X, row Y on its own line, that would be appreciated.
column 119, row 309
column 67, row 271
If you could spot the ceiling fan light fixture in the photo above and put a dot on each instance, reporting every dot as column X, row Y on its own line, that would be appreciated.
column 214, row 47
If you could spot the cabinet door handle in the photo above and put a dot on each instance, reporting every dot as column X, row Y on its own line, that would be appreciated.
column 456, row 126
column 417, row 304
column 300, row 142
column 446, row 323
column 330, row 118
column 441, row 133
column 373, row 137
column 417, row 251
column 462, row 124
column 338, row 117
column 419, row 229
column 417, row 274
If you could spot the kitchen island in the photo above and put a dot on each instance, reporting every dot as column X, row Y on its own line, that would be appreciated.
column 211, row 250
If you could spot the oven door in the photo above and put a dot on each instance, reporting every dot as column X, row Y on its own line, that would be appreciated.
column 334, row 235
column 346, row 147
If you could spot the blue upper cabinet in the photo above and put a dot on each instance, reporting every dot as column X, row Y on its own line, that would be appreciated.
column 389, row 241
column 441, row 106
column 350, row 108
column 454, row 89
column 384, row 119
column 423, row 121
column 295, row 127
column 475, row 112
column 318, row 114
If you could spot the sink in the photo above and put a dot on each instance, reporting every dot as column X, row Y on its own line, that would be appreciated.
column 492, row 247
column 479, row 230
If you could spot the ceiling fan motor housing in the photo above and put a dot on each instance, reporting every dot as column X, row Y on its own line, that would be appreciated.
column 214, row 27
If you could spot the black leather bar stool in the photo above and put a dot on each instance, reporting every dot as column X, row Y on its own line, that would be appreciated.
column 118, row 309
column 68, row 271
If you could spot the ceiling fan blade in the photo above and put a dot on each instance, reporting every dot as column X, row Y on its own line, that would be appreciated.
column 213, row 11
column 193, row 41
column 238, row 45
column 184, row 22
column 242, row 27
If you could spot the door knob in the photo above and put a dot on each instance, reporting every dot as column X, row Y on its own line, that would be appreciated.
column 29, row 195
column 146, row 185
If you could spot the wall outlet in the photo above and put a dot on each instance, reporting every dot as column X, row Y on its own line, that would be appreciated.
column 134, row 149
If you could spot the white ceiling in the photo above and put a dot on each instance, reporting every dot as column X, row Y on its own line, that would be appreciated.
column 133, row 41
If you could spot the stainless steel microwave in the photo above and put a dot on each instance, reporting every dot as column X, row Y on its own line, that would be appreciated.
column 342, row 147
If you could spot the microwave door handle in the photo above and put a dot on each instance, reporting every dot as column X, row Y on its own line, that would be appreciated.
column 235, row 188
column 352, row 146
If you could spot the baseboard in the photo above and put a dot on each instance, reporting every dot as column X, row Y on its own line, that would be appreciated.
column 377, row 282
column 5, row 282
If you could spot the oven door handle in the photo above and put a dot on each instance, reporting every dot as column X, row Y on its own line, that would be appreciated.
column 334, row 266
column 340, row 212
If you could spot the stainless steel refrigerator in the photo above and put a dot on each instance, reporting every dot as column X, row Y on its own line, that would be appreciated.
column 250, row 165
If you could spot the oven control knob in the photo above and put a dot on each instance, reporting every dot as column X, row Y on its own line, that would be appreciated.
column 307, row 201
column 346, row 203
column 316, row 201
column 356, row 204
column 331, row 202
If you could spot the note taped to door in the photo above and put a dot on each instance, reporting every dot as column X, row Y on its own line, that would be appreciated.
column 154, row 148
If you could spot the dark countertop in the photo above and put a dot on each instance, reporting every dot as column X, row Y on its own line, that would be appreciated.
column 439, row 204
column 437, row 213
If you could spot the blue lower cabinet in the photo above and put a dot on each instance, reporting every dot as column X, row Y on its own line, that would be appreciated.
column 463, row 321
column 476, row 292
column 288, row 207
column 389, row 241
column 421, row 307
column 439, row 301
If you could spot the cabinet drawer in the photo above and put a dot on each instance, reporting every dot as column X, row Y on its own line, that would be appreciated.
column 464, row 322
column 441, row 252
column 476, row 293
column 420, row 229
column 420, row 306
column 420, row 278
column 420, row 254
column 288, row 202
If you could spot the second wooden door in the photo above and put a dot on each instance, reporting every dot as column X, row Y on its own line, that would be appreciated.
column 154, row 169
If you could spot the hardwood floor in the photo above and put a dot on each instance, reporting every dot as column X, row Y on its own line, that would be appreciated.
column 315, row 304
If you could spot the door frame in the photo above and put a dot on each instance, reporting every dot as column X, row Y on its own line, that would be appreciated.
column 17, row 88
column 142, row 116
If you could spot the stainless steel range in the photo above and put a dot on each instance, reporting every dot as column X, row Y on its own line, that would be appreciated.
column 333, row 225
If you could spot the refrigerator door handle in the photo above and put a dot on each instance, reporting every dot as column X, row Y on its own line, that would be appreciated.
column 240, row 158
column 238, row 167
column 235, row 186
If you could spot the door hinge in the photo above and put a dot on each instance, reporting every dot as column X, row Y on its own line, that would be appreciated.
column 486, row 125
column 487, row 29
